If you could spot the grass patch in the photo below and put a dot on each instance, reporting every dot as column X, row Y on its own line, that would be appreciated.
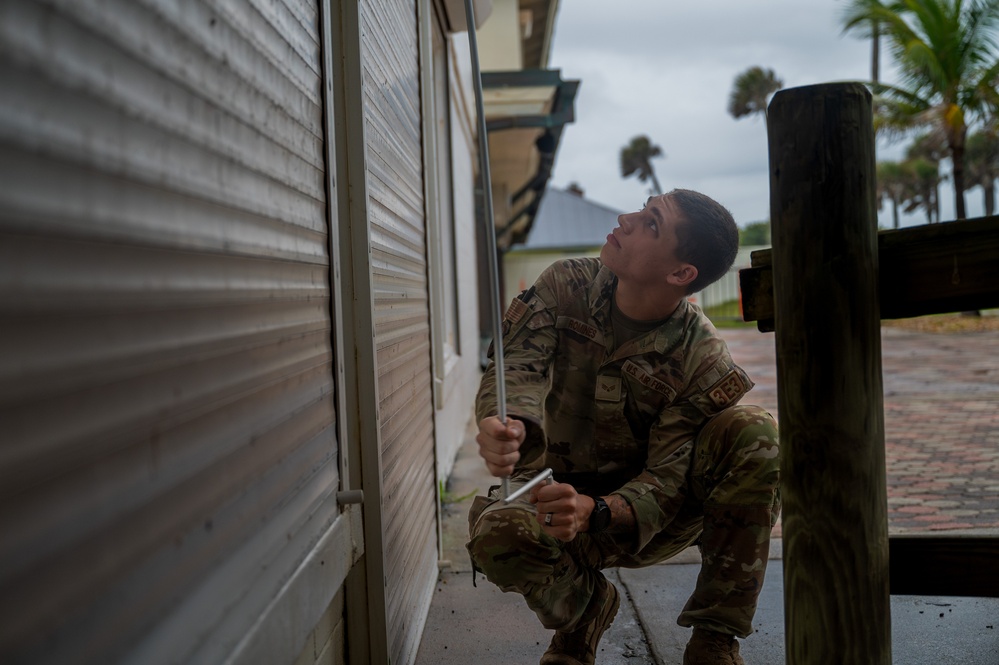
column 947, row 323
column 447, row 497
column 727, row 315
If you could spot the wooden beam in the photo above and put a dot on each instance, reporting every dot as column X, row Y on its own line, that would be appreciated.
column 940, row 268
column 931, row 269
column 932, row 565
column 829, row 390
column 756, row 284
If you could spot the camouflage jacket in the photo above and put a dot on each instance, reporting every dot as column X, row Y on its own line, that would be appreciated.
column 605, row 419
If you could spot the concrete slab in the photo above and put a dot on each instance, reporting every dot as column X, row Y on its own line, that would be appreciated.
column 925, row 630
column 942, row 429
column 659, row 593
column 485, row 626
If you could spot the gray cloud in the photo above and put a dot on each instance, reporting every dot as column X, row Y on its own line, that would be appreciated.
column 665, row 69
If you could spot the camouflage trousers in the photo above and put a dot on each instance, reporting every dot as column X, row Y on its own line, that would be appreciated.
column 731, row 503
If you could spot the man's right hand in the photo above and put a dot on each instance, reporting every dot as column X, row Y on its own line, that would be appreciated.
column 499, row 444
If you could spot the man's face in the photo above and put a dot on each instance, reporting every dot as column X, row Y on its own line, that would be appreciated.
column 642, row 248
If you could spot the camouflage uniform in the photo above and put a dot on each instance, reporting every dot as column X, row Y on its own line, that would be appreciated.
column 654, row 421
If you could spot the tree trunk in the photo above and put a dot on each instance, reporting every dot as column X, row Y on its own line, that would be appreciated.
column 894, row 213
column 875, row 50
column 655, row 181
column 957, row 160
column 990, row 197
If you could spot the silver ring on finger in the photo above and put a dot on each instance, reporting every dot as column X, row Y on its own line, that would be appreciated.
column 548, row 519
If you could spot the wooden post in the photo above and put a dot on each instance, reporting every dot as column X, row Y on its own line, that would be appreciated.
column 829, row 390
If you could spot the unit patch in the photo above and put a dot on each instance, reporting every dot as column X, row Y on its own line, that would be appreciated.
column 728, row 390
column 609, row 388
column 647, row 380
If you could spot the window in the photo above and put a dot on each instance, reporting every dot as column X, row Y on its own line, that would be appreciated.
column 438, row 163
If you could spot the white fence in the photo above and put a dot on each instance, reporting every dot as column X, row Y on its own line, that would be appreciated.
column 726, row 289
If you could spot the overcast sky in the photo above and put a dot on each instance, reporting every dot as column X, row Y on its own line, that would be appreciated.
column 665, row 68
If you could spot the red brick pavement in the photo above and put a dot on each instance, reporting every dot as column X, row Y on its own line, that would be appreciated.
column 941, row 422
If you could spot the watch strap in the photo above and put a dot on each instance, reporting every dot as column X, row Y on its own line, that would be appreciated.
column 600, row 517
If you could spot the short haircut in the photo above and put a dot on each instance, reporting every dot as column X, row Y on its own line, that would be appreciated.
column 707, row 234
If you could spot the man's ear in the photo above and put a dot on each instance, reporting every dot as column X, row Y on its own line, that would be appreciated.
column 683, row 275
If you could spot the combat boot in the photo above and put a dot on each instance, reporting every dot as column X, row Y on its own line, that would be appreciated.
column 707, row 647
column 580, row 646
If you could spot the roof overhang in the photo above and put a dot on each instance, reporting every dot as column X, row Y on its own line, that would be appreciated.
column 525, row 113
column 537, row 43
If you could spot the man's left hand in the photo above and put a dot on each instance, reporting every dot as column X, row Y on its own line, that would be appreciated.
column 570, row 511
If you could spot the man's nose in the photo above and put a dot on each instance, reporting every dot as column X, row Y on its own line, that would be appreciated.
column 625, row 222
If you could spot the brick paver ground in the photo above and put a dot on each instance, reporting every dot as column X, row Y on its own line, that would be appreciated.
column 941, row 422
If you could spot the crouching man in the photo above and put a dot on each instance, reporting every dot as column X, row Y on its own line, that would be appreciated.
column 625, row 389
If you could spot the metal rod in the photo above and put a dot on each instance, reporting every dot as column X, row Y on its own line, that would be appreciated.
column 490, row 230
column 545, row 475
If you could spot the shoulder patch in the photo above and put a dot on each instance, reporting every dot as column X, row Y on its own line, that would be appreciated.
column 729, row 389
column 516, row 311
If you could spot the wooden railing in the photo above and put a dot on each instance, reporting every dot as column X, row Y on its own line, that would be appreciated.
column 824, row 288
column 932, row 269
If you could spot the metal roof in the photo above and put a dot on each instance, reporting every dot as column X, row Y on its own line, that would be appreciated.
column 566, row 220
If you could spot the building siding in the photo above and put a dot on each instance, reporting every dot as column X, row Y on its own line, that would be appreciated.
column 169, row 455
column 392, row 110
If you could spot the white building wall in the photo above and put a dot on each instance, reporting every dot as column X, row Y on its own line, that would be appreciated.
column 457, row 392
column 497, row 34
column 522, row 268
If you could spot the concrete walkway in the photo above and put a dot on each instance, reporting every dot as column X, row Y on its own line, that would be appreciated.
column 942, row 438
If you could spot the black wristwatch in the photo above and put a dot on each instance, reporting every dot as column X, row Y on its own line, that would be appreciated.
column 600, row 517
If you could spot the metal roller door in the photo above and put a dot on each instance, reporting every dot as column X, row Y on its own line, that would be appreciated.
column 168, row 453
column 401, row 316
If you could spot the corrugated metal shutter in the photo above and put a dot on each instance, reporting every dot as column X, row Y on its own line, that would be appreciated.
column 402, row 333
column 167, row 433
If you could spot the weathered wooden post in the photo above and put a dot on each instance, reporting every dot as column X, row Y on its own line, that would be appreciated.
column 825, row 265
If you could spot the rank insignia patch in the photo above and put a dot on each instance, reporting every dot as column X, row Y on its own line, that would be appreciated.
column 609, row 388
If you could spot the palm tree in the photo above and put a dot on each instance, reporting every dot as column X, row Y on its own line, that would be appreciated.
column 925, row 153
column 892, row 187
column 870, row 31
column 922, row 180
column 946, row 53
column 636, row 157
column 751, row 91
column 982, row 154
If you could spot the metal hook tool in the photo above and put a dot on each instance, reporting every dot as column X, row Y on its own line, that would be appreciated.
column 487, row 198
column 543, row 477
